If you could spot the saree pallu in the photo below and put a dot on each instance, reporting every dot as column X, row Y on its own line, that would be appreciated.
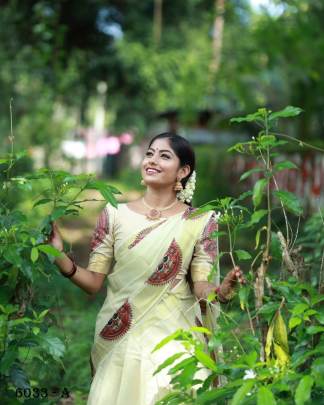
column 148, row 298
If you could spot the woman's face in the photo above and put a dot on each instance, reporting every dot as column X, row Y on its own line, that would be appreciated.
column 161, row 157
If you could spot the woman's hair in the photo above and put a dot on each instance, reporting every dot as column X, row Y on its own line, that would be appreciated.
column 182, row 148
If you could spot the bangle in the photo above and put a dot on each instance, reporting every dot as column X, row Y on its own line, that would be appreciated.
column 220, row 297
column 72, row 272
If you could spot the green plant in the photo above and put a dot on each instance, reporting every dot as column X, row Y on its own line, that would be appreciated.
column 263, row 361
column 26, row 341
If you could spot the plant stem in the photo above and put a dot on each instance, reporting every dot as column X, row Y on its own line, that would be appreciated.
column 302, row 143
column 231, row 245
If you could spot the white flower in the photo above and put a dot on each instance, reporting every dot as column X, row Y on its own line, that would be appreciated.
column 249, row 375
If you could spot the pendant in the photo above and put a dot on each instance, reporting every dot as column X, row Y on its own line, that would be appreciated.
column 153, row 215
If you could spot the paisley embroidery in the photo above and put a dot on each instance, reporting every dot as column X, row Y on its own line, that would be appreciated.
column 168, row 267
column 119, row 323
column 143, row 233
column 102, row 228
column 188, row 211
column 209, row 244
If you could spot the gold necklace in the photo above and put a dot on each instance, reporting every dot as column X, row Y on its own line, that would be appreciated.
column 155, row 214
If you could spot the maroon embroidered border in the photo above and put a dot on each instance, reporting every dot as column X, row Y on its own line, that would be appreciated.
column 101, row 230
column 119, row 324
column 210, row 244
column 190, row 210
column 143, row 233
column 168, row 267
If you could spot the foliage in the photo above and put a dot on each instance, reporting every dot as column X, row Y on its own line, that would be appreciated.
column 26, row 259
column 53, row 75
column 273, row 348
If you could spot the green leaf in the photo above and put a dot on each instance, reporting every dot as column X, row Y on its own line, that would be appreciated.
column 249, row 172
column 250, row 358
column 265, row 396
column 258, row 235
column 42, row 201
column 303, row 390
column 7, row 360
column 257, row 216
column 57, row 213
column 208, row 396
column 288, row 111
column 267, row 140
column 205, row 360
column 258, row 191
column 167, row 339
column 312, row 330
column 244, row 292
column 275, row 247
column 49, row 249
column 54, row 346
column 34, row 254
column 243, row 254
column 284, row 165
column 18, row 377
column 299, row 308
column 294, row 321
column 200, row 329
column 289, row 201
column 216, row 234
column 248, row 118
column 182, row 364
column 240, row 394
column 318, row 371
column 168, row 361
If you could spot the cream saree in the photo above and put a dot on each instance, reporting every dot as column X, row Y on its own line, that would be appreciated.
column 148, row 298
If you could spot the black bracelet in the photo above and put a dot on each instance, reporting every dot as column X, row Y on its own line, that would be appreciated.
column 73, row 271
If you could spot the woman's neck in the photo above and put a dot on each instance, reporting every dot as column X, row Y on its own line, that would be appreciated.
column 159, row 198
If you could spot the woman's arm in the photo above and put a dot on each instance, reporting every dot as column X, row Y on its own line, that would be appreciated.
column 225, row 291
column 89, row 281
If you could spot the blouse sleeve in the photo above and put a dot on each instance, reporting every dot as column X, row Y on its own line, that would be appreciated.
column 205, row 251
column 102, row 243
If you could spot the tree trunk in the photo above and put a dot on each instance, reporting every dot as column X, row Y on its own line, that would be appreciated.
column 157, row 22
column 217, row 35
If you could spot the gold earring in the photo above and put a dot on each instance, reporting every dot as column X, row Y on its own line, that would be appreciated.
column 178, row 186
column 143, row 182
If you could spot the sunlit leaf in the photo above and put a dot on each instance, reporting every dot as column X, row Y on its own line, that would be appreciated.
column 258, row 191
column 50, row 250
column 265, row 396
column 241, row 393
column 249, row 172
column 284, row 165
column 303, row 390
column 168, row 361
column 242, row 254
column 205, row 360
column 293, row 322
column 288, row 111
column 34, row 254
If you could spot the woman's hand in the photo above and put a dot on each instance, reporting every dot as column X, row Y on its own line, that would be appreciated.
column 55, row 239
column 227, row 287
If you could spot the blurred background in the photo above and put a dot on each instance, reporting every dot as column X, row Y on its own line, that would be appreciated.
column 92, row 81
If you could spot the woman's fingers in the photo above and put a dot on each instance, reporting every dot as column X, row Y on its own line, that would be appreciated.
column 239, row 275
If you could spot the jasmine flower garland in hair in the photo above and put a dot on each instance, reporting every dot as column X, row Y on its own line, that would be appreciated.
column 187, row 193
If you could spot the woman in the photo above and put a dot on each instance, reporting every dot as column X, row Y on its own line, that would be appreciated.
column 156, row 259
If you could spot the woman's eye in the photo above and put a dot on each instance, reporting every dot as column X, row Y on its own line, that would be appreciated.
column 163, row 155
